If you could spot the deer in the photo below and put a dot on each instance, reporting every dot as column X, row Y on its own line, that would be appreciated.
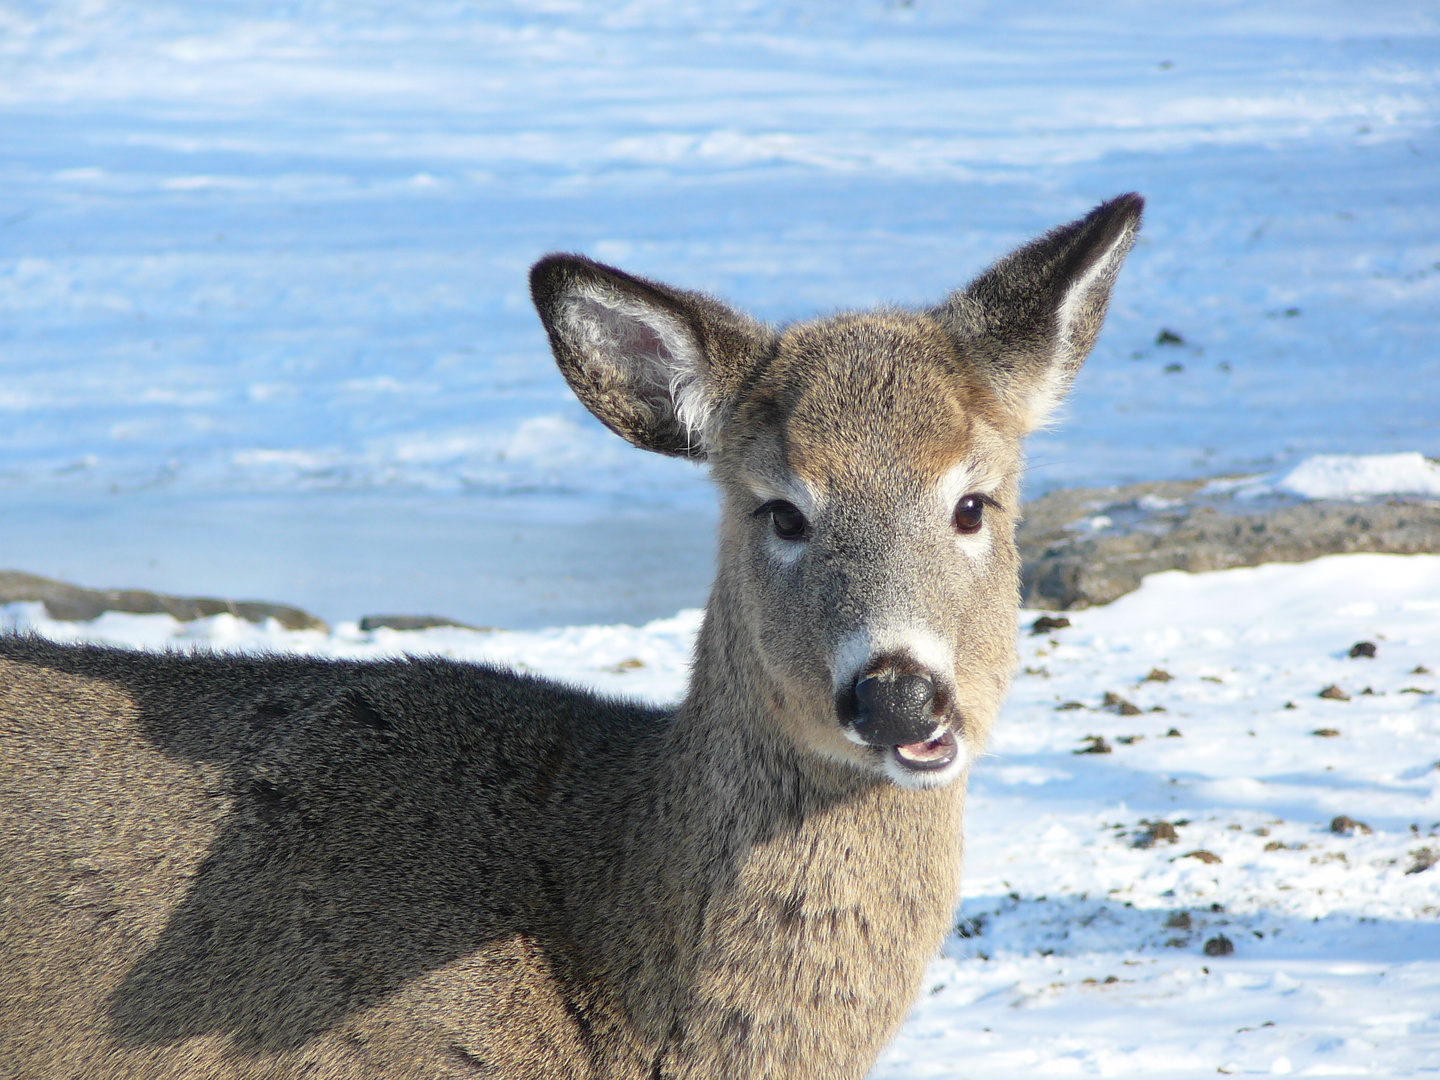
column 275, row 866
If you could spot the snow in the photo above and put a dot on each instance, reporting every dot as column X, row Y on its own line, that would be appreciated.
column 1339, row 476
column 1081, row 951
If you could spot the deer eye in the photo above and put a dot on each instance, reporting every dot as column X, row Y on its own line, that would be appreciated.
column 969, row 514
column 788, row 522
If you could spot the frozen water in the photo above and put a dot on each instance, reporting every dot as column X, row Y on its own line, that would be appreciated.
column 279, row 249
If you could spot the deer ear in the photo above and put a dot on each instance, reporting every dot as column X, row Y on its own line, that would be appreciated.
column 654, row 364
column 1033, row 317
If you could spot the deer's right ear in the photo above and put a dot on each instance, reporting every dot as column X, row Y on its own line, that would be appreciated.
column 654, row 364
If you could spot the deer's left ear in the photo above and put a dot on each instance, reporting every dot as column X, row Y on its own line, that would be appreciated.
column 654, row 364
column 1032, row 318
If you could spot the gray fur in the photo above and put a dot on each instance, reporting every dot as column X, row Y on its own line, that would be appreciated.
column 224, row 866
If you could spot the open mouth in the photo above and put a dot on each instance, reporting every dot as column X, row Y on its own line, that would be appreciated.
column 928, row 756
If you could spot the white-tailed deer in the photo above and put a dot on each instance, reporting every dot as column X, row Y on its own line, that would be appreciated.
column 221, row 866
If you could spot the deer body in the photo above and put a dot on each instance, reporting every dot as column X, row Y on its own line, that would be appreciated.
column 224, row 866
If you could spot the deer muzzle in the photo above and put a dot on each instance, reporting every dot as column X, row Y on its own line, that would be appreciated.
column 895, row 711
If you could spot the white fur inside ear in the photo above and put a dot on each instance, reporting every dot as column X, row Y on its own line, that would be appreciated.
column 1081, row 308
column 650, row 349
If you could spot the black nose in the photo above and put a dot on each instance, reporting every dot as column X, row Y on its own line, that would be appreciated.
column 893, row 709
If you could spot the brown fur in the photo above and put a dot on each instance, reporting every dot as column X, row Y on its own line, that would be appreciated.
column 223, row 866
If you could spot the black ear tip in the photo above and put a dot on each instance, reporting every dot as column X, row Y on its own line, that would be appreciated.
column 552, row 268
column 1112, row 221
column 557, row 272
column 1128, row 207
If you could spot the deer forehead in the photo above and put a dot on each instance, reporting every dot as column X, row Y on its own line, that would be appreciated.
column 880, row 402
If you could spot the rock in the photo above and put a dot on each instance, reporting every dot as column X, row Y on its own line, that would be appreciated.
column 1159, row 675
column 632, row 664
column 1219, row 945
column 1155, row 832
column 75, row 604
column 1180, row 920
column 1098, row 745
column 1333, row 693
column 1325, row 732
column 1170, row 525
column 1046, row 623
column 1424, row 858
column 1116, row 703
column 1344, row 825
column 1173, row 733
column 1362, row 648
column 1209, row 858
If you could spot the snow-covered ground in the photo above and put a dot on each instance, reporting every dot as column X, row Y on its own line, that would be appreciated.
column 279, row 249
column 1085, row 941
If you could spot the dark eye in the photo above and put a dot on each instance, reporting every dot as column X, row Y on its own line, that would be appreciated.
column 788, row 522
column 969, row 514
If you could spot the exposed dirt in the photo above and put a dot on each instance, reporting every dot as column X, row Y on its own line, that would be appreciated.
column 1088, row 546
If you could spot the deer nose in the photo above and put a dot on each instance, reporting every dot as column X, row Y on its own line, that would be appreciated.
column 894, row 709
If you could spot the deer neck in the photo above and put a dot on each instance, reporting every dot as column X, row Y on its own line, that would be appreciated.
column 739, row 828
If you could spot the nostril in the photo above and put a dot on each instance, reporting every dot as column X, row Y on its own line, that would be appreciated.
column 894, row 710
column 865, row 691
